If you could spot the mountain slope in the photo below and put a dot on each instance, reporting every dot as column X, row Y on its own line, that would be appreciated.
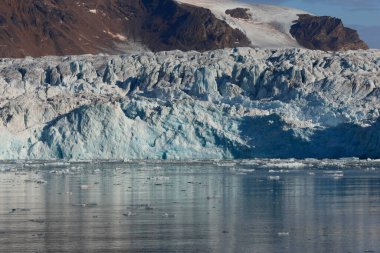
column 57, row 27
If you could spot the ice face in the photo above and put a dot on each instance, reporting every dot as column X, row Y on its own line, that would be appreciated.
column 239, row 103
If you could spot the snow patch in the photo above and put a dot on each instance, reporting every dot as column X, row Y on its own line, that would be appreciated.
column 117, row 36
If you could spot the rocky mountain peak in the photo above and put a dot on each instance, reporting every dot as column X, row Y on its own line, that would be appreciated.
column 325, row 33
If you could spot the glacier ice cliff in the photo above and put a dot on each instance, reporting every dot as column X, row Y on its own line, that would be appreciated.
column 239, row 103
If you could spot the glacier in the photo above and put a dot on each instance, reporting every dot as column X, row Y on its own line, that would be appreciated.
column 232, row 103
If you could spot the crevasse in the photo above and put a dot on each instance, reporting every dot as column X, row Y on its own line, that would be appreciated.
column 233, row 103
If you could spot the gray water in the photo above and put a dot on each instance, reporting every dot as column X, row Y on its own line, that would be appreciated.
column 249, row 206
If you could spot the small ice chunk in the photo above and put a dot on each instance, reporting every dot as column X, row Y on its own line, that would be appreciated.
column 242, row 171
column 338, row 175
column 84, row 187
column 129, row 214
column 224, row 164
column 37, row 221
column 20, row 210
column 166, row 215
column 86, row 205
column 159, row 178
column 274, row 178
column 148, row 208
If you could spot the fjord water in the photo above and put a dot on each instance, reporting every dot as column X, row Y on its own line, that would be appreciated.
column 235, row 206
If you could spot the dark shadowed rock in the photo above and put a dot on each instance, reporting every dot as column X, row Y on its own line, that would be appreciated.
column 239, row 13
column 325, row 33
column 167, row 25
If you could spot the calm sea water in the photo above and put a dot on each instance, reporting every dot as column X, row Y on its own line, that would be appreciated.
column 246, row 206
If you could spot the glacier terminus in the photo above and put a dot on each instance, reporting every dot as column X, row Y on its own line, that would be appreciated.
column 230, row 103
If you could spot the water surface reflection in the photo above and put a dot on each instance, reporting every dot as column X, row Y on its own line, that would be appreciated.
column 188, row 208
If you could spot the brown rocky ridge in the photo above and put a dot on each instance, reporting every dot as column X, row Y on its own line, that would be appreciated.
column 325, row 33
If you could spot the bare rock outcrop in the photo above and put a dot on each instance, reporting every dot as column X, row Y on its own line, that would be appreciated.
column 325, row 33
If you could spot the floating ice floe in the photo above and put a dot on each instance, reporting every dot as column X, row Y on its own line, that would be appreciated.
column 14, row 210
column 166, row 215
column 41, row 181
column 159, row 178
column 285, row 165
column 338, row 175
column 129, row 214
column 278, row 171
column 248, row 162
column 225, row 164
column 61, row 172
column 241, row 171
column 56, row 164
column 86, row 205
column 274, row 178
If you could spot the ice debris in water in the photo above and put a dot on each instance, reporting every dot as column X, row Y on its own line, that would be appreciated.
column 274, row 178
column 248, row 162
column 149, row 208
column 129, row 214
column 278, row 171
column 14, row 210
column 41, row 221
column 286, row 165
column 166, row 215
column 86, row 205
column 159, row 178
column 61, row 172
column 57, row 164
column 241, row 171
column 41, row 181
column 224, row 164
column 338, row 175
